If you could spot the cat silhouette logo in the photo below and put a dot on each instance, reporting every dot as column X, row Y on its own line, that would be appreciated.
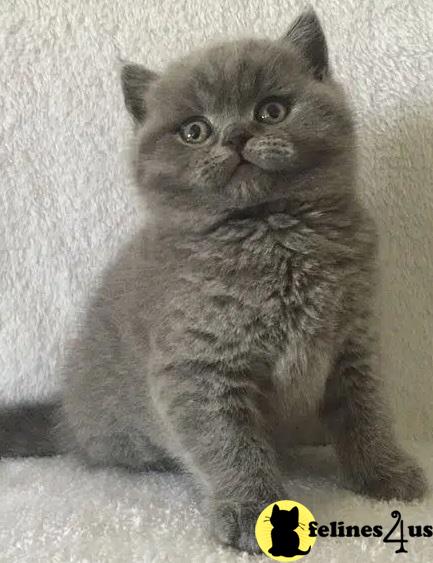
column 282, row 530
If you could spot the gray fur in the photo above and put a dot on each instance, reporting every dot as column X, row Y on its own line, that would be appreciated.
column 245, row 307
column 29, row 430
column 307, row 35
column 135, row 79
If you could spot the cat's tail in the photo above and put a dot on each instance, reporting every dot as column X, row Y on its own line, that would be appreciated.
column 30, row 430
column 300, row 552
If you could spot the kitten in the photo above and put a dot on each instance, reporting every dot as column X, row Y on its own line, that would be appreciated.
column 285, row 540
column 246, row 300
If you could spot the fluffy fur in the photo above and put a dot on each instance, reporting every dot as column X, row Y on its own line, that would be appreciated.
column 246, row 305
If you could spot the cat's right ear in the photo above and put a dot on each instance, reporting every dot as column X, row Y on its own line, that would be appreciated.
column 136, row 80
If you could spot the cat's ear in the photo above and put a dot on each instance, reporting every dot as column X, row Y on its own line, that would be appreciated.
column 275, row 509
column 295, row 511
column 136, row 79
column 307, row 35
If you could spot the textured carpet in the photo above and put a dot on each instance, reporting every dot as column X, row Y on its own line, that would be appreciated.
column 55, row 511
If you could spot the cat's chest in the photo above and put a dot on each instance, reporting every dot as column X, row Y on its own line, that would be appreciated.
column 300, row 291
column 257, row 288
column 294, row 392
column 288, row 274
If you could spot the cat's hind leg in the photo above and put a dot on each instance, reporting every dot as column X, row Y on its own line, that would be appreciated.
column 365, row 443
column 125, row 450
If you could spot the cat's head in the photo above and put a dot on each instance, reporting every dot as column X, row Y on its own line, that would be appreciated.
column 235, row 124
column 287, row 519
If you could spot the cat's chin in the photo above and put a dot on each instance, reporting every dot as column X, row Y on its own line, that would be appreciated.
column 242, row 179
column 247, row 192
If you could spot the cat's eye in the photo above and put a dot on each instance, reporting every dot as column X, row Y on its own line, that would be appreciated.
column 195, row 130
column 271, row 111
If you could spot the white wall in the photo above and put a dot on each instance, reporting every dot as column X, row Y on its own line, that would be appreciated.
column 64, row 191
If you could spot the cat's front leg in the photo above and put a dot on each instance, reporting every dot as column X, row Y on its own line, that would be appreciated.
column 216, row 432
column 358, row 417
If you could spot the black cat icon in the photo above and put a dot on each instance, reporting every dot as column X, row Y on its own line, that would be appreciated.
column 283, row 530
column 285, row 540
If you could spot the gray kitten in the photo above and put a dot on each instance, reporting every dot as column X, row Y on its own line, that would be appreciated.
column 246, row 303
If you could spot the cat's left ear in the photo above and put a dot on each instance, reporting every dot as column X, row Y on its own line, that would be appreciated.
column 307, row 35
column 136, row 80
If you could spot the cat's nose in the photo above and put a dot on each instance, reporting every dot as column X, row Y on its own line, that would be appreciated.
column 236, row 137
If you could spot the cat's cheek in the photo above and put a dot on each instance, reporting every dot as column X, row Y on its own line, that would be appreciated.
column 215, row 174
column 206, row 180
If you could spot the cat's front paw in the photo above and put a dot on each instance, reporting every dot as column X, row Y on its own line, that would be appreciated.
column 233, row 523
column 400, row 479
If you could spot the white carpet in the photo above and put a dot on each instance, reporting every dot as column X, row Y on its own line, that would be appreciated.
column 55, row 511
